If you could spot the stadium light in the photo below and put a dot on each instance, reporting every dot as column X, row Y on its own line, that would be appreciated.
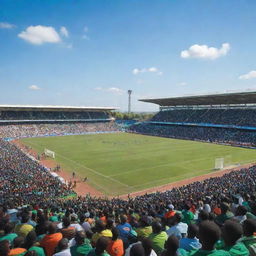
column 129, row 101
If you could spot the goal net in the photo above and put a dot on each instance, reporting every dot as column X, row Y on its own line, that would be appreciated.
column 219, row 163
column 49, row 153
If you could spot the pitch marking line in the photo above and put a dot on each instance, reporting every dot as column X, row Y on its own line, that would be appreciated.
column 161, row 165
column 83, row 166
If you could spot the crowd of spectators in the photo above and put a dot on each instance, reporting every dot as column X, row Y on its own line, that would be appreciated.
column 52, row 115
column 23, row 180
column 227, row 116
column 216, row 216
column 209, row 134
column 54, row 129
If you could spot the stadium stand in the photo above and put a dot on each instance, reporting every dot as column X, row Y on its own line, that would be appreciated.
column 222, row 118
column 215, row 217
column 10, row 114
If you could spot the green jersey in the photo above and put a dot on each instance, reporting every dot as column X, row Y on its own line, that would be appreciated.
column 209, row 253
column 79, row 250
column 239, row 249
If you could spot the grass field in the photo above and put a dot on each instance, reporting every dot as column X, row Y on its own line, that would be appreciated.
column 123, row 163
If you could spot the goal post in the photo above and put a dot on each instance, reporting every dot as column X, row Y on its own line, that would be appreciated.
column 219, row 163
column 49, row 153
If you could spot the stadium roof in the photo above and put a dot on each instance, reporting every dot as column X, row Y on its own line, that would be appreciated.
column 211, row 99
column 52, row 108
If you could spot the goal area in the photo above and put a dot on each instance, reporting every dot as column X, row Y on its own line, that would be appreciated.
column 222, row 162
column 49, row 153
column 219, row 163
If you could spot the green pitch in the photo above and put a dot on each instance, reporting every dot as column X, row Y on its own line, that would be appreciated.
column 123, row 163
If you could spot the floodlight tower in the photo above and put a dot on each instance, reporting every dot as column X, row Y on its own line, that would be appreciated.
column 129, row 101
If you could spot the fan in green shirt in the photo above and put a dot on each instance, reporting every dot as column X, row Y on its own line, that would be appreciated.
column 8, row 233
column 101, row 246
column 209, row 234
column 231, row 232
column 187, row 215
column 158, row 237
column 38, row 250
column 249, row 239
column 83, row 245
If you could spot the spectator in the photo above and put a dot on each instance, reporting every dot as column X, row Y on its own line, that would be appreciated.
column 209, row 234
column 101, row 246
column 124, row 229
column 249, row 239
column 158, row 237
column 116, row 245
column 144, row 229
column 187, row 215
column 24, row 228
column 62, row 248
column 51, row 240
column 18, row 249
column 179, row 229
column 190, row 242
column 231, row 233
column 172, row 247
column 31, row 244
column 82, row 246
column 9, row 233
column 226, row 214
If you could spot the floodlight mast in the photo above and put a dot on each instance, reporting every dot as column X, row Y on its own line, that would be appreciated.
column 129, row 101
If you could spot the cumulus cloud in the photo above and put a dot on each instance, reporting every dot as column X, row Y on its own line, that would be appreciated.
column 40, row 34
column 6, row 25
column 114, row 90
column 205, row 52
column 250, row 75
column 34, row 87
column 64, row 32
column 137, row 71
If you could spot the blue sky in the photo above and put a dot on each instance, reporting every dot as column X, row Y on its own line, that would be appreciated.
column 90, row 52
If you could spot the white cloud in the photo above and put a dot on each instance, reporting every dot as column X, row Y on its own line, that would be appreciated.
column 114, row 90
column 250, row 75
column 137, row 71
column 183, row 84
column 40, row 34
column 64, row 31
column 6, row 25
column 205, row 52
column 34, row 87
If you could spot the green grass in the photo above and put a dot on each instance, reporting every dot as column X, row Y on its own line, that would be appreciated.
column 123, row 163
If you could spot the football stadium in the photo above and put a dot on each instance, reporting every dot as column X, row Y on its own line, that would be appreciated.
column 198, row 146
column 127, row 128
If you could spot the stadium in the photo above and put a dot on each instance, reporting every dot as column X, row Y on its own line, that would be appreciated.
column 200, row 147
